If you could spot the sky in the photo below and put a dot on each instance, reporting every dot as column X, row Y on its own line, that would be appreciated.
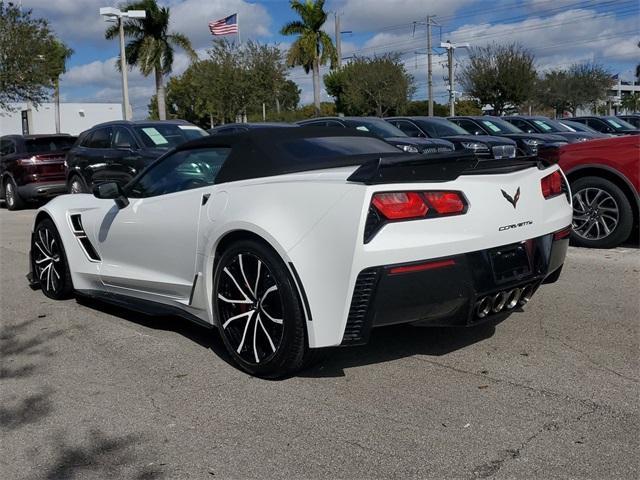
column 558, row 32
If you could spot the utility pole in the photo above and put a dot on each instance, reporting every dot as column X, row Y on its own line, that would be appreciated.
column 338, row 39
column 429, row 68
column 450, row 47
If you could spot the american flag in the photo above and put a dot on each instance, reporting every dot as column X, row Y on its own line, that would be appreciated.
column 224, row 26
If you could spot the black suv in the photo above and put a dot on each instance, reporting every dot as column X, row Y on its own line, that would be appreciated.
column 612, row 125
column 540, row 124
column 527, row 142
column 378, row 127
column 117, row 151
column 437, row 127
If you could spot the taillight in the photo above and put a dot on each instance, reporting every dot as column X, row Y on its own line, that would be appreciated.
column 397, row 206
column 562, row 234
column 446, row 203
column 551, row 185
column 400, row 205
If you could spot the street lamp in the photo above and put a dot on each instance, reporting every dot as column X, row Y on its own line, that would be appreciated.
column 114, row 14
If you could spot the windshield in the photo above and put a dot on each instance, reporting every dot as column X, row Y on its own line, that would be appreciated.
column 49, row 144
column 495, row 125
column 548, row 126
column 379, row 128
column 619, row 124
column 167, row 135
column 441, row 128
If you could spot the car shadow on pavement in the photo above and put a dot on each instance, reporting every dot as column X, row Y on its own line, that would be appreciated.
column 399, row 341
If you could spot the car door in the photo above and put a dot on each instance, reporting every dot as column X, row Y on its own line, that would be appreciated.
column 123, row 158
column 97, row 167
column 150, row 245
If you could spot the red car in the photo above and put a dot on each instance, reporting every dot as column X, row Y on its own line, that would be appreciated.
column 603, row 175
column 32, row 167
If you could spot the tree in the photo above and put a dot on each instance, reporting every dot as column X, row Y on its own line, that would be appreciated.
column 27, row 66
column 60, row 53
column 631, row 102
column 152, row 46
column 578, row 86
column 371, row 86
column 499, row 75
column 313, row 47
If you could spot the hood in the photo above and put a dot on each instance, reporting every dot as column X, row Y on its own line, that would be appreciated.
column 486, row 139
column 545, row 137
column 420, row 142
column 573, row 137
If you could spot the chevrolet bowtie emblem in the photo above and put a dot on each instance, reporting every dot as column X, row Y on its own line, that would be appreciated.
column 512, row 200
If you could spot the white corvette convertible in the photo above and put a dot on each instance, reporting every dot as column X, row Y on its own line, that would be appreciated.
column 289, row 240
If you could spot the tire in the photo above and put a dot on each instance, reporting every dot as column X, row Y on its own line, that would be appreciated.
column 12, row 198
column 602, row 214
column 261, row 322
column 49, row 261
column 77, row 185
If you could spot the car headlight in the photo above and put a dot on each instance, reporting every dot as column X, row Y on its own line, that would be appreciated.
column 408, row 148
column 476, row 147
column 532, row 142
column 583, row 139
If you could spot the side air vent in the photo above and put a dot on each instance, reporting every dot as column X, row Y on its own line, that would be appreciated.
column 357, row 327
column 372, row 225
column 78, row 231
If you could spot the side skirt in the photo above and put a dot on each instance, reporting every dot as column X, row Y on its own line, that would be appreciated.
column 146, row 307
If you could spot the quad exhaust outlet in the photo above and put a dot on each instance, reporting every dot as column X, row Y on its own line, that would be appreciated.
column 504, row 300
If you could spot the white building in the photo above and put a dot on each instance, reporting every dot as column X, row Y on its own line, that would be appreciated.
column 74, row 117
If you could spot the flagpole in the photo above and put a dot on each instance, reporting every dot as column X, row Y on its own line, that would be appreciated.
column 238, row 24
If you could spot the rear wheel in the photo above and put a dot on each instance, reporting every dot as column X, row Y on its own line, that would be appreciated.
column 602, row 214
column 49, row 261
column 11, row 196
column 260, row 318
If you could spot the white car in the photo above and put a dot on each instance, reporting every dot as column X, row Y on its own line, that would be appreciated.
column 290, row 240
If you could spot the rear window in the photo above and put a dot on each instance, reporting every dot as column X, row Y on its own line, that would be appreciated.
column 168, row 135
column 49, row 144
column 317, row 148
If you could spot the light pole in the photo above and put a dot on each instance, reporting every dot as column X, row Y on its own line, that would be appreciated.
column 113, row 13
column 452, row 94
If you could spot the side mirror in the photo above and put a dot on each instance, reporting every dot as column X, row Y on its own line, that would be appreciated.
column 111, row 190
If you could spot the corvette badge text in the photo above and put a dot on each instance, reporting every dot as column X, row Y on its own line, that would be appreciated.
column 515, row 225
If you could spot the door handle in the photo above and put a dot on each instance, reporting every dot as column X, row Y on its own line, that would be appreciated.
column 205, row 198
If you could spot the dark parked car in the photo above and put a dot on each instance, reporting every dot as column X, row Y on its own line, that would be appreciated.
column 527, row 142
column 581, row 127
column 604, row 176
column 612, row 125
column 438, row 127
column 117, row 151
column 231, row 128
column 539, row 124
column 380, row 128
column 633, row 119
column 32, row 167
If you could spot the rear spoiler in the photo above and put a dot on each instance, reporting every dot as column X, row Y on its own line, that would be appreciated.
column 442, row 167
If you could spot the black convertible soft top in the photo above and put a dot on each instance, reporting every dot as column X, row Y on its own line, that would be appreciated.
column 273, row 151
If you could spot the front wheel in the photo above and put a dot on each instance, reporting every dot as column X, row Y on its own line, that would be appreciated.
column 49, row 261
column 76, row 185
column 602, row 214
column 259, row 314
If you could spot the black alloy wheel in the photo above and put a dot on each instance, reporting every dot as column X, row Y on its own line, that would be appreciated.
column 602, row 214
column 259, row 314
column 11, row 196
column 49, row 262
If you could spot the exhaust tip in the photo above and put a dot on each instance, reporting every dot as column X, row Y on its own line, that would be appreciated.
column 498, row 301
column 513, row 297
column 483, row 307
column 525, row 296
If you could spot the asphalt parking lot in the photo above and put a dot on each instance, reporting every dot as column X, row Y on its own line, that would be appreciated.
column 90, row 391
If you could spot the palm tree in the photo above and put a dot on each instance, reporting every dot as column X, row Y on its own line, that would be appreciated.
column 313, row 47
column 60, row 53
column 152, row 46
